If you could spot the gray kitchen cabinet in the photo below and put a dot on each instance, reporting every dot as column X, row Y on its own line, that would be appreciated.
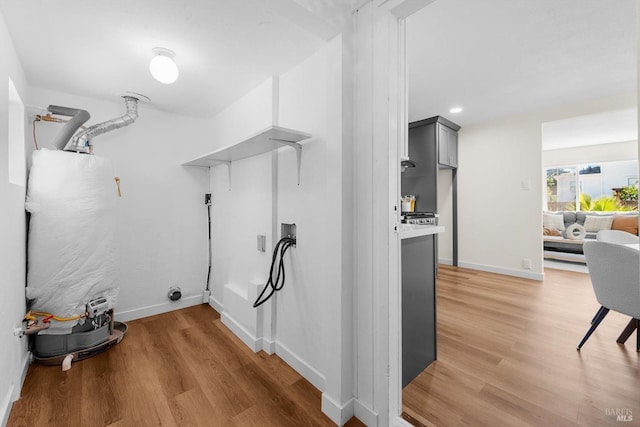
column 447, row 146
column 433, row 145
column 418, row 306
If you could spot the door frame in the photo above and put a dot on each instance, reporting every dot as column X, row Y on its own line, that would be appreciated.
column 382, row 136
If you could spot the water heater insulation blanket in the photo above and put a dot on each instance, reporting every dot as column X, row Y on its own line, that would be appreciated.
column 71, row 251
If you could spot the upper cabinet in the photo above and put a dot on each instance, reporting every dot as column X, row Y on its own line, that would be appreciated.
column 447, row 145
column 442, row 134
column 433, row 145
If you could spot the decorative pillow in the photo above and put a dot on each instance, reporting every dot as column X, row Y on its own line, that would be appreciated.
column 628, row 223
column 549, row 231
column 553, row 221
column 595, row 223
column 570, row 217
column 581, row 217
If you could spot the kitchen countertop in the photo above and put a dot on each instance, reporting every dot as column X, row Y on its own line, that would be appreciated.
column 408, row 231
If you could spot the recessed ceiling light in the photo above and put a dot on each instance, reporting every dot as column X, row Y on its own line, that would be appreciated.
column 456, row 110
column 162, row 66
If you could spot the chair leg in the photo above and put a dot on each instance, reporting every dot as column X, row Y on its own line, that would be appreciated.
column 597, row 314
column 600, row 315
column 628, row 330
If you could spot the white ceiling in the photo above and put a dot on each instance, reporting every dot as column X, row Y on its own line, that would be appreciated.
column 224, row 48
column 591, row 129
column 497, row 58
column 494, row 58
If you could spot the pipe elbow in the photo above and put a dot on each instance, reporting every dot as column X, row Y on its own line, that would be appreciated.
column 78, row 118
column 81, row 142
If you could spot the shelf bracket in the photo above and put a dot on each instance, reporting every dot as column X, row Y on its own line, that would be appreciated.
column 298, row 148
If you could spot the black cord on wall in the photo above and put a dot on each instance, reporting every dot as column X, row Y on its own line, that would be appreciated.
column 277, row 284
column 208, row 202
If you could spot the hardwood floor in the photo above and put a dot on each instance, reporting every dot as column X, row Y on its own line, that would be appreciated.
column 182, row 368
column 507, row 356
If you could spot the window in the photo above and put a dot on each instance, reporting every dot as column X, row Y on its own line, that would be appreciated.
column 590, row 187
column 16, row 166
column 561, row 188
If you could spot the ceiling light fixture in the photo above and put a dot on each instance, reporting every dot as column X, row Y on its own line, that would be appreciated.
column 162, row 66
column 456, row 110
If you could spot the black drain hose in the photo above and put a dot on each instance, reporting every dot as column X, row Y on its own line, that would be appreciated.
column 275, row 285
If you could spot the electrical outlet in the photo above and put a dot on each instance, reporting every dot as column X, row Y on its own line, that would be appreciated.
column 526, row 264
column 288, row 230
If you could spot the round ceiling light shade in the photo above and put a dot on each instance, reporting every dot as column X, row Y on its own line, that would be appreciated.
column 162, row 67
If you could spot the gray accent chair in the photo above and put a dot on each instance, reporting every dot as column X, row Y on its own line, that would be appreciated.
column 616, row 236
column 615, row 276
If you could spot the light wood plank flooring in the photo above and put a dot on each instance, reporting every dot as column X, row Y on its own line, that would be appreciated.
column 507, row 356
column 182, row 368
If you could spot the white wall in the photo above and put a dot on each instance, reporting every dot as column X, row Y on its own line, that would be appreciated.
column 162, row 234
column 310, row 320
column 500, row 221
column 241, row 210
column 591, row 153
column 310, row 311
column 445, row 210
column 13, row 351
column 243, row 203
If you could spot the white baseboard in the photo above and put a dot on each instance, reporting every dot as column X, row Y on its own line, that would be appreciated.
column 152, row 310
column 365, row 414
column 252, row 342
column 267, row 345
column 28, row 357
column 339, row 414
column 5, row 406
column 303, row 368
column 13, row 393
column 445, row 261
column 506, row 271
column 318, row 380
column 256, row 344
column 400, row 422
column 215, row 304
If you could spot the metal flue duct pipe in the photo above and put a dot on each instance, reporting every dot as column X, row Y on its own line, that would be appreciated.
column 82, row 141
column 78, row 118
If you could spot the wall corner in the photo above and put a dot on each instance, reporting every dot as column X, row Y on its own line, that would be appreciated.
column 338, row 413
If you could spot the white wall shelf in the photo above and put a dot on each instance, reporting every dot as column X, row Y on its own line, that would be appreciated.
column 262, row 142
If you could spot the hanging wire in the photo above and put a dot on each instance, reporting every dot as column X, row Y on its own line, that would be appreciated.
column 35, row 140
column 275, row 285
